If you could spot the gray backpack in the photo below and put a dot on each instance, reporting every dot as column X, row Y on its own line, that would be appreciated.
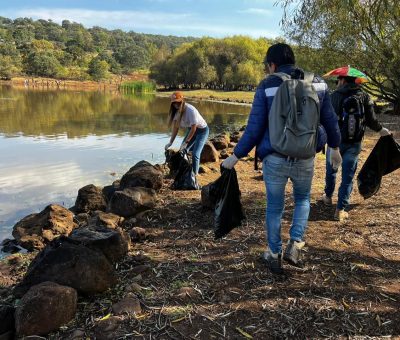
column 294, row 117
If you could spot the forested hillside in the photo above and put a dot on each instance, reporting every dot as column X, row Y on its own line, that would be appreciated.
column 70, row 51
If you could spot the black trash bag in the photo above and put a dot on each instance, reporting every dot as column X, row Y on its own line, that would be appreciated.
column 228, row 209
column 383, row 159
column 185, row 179
column 173, row 160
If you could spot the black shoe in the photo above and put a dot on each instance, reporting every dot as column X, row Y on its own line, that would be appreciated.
column 293, row 253
column 274, row 264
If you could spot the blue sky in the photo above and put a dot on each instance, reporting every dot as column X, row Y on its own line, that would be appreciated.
column 215, row 18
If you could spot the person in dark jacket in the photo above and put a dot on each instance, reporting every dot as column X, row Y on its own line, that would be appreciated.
column 349, row 150
column 278, row 168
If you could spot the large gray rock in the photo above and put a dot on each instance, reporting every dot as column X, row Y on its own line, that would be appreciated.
column 90, row 198
column 70, row 263
column 209, row 153
column 44, row 308
column 114, row 244
column 129, row 202
column 143, row 174
column 36, row 230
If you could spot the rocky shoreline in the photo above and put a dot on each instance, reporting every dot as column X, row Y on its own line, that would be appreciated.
column 176, row 282
column 76, row 251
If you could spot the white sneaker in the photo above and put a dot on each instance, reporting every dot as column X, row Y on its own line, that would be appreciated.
column 326, row 200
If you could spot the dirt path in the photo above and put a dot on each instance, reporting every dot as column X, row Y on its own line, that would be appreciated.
column 198, row 288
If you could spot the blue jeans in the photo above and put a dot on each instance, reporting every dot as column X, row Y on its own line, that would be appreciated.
column 349, row 154
column 196, row 145
column 276, row 172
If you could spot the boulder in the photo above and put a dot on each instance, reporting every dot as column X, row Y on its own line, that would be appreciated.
column 44, row 308
column 36, row 230
column 6, row 319
column 70, row 263
column 82, row 219
column 128, row 305
column 109, row 190
column 129, row 202
column 114, row 244
column 209, row 153
column 107, row 220
column 90, row 198
column 236, row 135
column 10, row 246
column 221, row 141
column 143, row 174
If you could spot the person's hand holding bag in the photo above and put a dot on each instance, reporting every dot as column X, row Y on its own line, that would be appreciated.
column 230, row 162
column 335, row 158
column 183, row 146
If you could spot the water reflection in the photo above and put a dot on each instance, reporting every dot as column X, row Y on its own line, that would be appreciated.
column 54, row 142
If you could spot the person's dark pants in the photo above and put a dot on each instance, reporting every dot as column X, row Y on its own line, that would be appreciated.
column 196, row 145
column 350, row 153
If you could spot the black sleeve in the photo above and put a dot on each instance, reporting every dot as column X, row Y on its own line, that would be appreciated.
column 370, row 117
column 337, row 99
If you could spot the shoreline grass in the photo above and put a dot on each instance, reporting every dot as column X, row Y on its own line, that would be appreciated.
column 227, row 96
column 132, row 87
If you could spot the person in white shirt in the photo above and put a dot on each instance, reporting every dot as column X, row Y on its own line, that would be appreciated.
column 184, row 115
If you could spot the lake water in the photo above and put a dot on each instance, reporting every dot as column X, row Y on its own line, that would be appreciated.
column 54, row 142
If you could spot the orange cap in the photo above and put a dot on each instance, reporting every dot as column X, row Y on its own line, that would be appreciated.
column 177, row 96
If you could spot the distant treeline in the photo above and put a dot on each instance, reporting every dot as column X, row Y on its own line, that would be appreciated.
column 70, row 51
column 233, row 63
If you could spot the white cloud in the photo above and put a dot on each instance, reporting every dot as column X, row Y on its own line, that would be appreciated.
column 258, row 11
column 182, row 24
column 88, row 17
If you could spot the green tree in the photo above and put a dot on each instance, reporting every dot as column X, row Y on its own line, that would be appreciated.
column 98, row 69
column 101, row 38
column 207, row 75
column 362, row 33
column 132, row 58
column 42, row 63
column 8, row 68
column 23, row 32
